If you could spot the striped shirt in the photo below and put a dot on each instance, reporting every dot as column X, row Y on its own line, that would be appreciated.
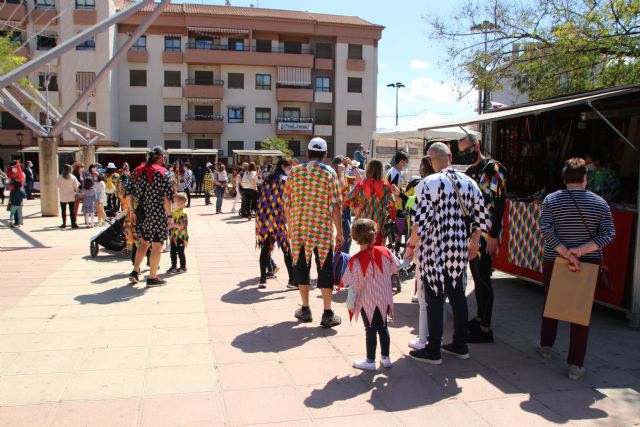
column 560, row 222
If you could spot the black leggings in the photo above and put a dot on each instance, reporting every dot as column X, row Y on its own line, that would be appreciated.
column 377, row 327
column 177, row 251
column 2, row 194
column 134, row 250
column 72, row 215
column 265, row 259
column 481, row 271
column 252, row 200
column 188, row 193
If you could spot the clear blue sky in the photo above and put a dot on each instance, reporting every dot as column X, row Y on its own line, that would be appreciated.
column 405, row 52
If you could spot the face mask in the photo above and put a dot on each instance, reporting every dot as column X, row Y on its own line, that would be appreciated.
column 468, row 158
column 591, row 167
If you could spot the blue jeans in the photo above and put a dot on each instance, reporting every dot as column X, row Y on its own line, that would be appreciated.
column 219, row 197
column 346, row 229
column 16, row 214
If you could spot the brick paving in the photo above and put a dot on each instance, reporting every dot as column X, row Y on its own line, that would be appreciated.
column 79, row 347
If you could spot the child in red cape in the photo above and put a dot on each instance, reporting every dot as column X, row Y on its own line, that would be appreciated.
column 368, row 277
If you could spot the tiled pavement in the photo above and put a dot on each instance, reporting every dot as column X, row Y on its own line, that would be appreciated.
column 79, row 347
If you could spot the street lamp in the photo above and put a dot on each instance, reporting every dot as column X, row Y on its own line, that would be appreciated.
column 397, row 85
column 20, row 137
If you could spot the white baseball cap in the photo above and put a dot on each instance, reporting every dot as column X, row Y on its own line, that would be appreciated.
column 111, row 166
column 317, row 144
column 209, row 164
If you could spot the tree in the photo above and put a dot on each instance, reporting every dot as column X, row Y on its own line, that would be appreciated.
column 277, row 144
column 545, row 47
column 8, row 58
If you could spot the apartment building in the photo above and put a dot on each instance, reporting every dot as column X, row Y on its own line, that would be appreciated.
column 217, row 77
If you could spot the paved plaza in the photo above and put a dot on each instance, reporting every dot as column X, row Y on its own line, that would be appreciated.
column 80, row 347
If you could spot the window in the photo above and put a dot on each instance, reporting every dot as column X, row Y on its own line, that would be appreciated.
column 351, row 148
column 354, row 118
column 323, row 84
column 172, row 113
column 236, row 81
column 203, row 112
column 203, row 77
column 323, row 50
column 172, row 79
column 8, row 121
column 236, row 44
column 172, row 44
column 82, row 116
column 263, row 45
column 354, row 84
column 45, row 4
column 233, row 146
column 263, row 115
column 323, row 117
column 140, row 44
column 89, row 44
column 171, row 143
column 355, row 51
column 236, row 114
column 84, row 80
column 204, row 43
column 138, row 143
column 138, row 113
column 292, row 47
column 53, row 82
column 295, row 147
column 263, row 81
column 257, row 145
column 85, row 4
column 46, row 42
column 291, row 113
column 137, row 77
column 203, row 144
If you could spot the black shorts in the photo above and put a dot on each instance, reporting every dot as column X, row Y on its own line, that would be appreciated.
column 301, row 270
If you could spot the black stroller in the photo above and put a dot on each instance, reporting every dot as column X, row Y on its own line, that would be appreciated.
column 112, row 238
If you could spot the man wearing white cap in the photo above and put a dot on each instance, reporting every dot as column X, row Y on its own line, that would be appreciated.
column 312, row 201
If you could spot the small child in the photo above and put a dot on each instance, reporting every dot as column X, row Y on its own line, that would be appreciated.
column 100, row 187
column 368, row 276
column 89, row 199
column 16, row 197
column 179, row 235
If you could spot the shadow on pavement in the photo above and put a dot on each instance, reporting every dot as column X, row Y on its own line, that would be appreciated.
column 280, row 337
column 26, row 237
column 113, row 295
column 248, row 293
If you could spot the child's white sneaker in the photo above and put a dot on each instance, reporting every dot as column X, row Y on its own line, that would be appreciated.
column 386, row 362
column 365, row 365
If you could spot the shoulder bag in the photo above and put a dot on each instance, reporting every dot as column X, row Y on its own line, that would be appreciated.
column 604, row 277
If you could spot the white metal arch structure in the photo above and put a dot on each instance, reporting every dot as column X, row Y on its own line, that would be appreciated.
column 63, row 121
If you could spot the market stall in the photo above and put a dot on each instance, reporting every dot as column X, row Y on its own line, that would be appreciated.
column 533, row 140
column 66, row 156
column 259, row 157
column 195, row 157
column 118, row 155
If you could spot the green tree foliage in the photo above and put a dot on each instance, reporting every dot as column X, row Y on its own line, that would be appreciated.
column 277, row 144
column 546, row 47
column 9, row 60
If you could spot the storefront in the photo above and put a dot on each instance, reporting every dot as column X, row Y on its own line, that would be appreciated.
column 259, row 157
column 532, row 141
column 66, row 156
column 179, row 156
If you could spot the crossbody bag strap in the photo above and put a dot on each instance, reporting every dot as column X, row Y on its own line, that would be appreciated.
column 458, row 196
column 584, row 222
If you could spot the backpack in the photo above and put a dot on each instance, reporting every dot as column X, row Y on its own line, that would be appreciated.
column 340, row 264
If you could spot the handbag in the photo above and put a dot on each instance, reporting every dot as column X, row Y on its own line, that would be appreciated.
column 468, row 222
column 604, row 277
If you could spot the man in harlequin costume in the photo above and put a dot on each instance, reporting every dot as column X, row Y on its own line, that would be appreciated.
column 491, row 177
column 313, row 206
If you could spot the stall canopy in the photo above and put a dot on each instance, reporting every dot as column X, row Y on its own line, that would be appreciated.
column 413, row 129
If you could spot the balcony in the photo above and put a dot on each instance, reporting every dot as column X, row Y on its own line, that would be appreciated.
column 355, row 64
column 294, row 94
column 171, row 127
column 197, row 123
column 294, row 126
column 172, row 92
column 220, row 54
column 44, row 16
column 85, row 16
column 13, row 11
column 172, row 57
column 323, row 130
column 138, row 56
column 323, row 97
column 324, row 64
column 212, row 89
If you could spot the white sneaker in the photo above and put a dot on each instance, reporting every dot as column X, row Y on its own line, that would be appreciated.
column 386, row 362
column 414, row 299
column 544, row 351
column 576, row 372
column 262, row 285
column 416, row 344
column 365, row 365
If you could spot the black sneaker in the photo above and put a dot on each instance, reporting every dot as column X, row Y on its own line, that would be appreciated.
column 155, row 281
column 478, row 336
column 63, row 225
column 330, row 320
column 461, row 352
column 75, row 226
column 473, row 324
column 172, row 270
column 133, row 277
column 271, row 275
column 290, row 285
column 304, row 314
column 426, row 356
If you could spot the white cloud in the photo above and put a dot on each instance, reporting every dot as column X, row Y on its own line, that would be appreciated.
column 383, row 66
column 416, row 64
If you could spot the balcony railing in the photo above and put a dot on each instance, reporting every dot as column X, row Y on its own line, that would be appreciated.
column 294, row 119
column 200, row 82
column 293, row 86
column 209, row 117
column 206, row 46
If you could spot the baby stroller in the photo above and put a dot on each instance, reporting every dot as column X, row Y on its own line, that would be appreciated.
column 112, row 238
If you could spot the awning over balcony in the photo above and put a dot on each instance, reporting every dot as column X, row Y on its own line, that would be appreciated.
column 173, row 34
column 218, row 31
column 294, row 76
column 203, row 100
